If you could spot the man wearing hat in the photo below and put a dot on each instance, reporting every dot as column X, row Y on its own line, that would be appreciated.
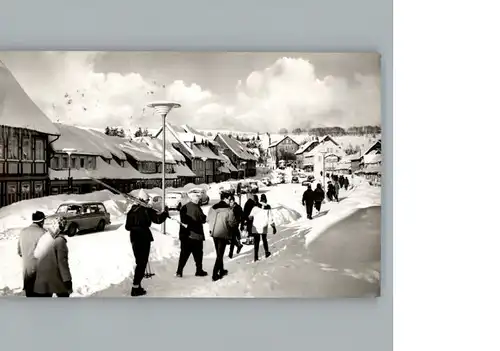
column 28, row 239
column 191, row 235
column 139, row 219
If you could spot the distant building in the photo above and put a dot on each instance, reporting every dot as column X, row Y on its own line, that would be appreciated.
column 283, row 150
column 240, row 157
column 374, row 148
column 25, row 135
column 302, row 150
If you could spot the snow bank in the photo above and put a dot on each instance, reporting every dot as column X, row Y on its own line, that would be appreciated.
column 362, row 196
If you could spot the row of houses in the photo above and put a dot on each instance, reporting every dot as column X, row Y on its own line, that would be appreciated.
column 326, row 155
column 35, row 162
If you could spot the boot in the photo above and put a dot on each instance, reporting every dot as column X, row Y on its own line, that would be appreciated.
column 268, row 254
column 238, row 250
column 139, row 291
column 224, row 273
column 201, row 273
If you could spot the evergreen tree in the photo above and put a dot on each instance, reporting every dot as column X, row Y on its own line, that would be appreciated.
column 138, row 132
column 107, row 131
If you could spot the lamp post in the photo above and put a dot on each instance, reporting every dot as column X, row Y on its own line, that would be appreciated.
column 69, row 151
column 163, row 108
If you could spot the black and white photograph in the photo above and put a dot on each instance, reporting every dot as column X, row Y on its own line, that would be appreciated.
column 190, row 174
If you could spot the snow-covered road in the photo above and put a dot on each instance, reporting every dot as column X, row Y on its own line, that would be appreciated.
column 99, row 260
column 343, row 262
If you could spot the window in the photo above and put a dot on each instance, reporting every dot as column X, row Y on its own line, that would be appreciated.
column 2, row 139
column 27, row 154
column 73, row 162
column 101, row 208
column 13, row 148
column 82, row 162
column 55, row 162
column 11, row 193
column 38, row 189
column 91, row 162
column 25, row 190
column 39, row 150
column 65, row 162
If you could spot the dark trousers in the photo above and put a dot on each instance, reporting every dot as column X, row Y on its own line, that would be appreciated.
column 329, row 195
column 336, row 196
column 220, row 248
column 256, row 243
column 235, row 241
column 141, row 254
column 317, row 204
column 50, row 295
column 188, row 247
column 29, row 284
column 309, row 209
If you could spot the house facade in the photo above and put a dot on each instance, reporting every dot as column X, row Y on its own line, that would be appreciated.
column 283, row 149
column 239, row 156
column 304, row 149
column 25, row 135
column 374, row 148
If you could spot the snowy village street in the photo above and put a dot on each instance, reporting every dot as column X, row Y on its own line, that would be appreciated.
column 335, row 254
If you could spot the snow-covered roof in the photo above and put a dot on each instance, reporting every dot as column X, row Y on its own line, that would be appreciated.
column 326, row 138
column 228, row 163
column 156, row 146
column 277, row 142
column 82, row 140
column 203, row 151
column 182, row 170
column 304, row 147
column 323, row 147
column 103, row 171
column 18, row 110
column 238, row 148
column 372, row 158
column 110, row 143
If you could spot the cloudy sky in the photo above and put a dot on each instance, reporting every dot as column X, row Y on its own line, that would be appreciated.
column 241, row 91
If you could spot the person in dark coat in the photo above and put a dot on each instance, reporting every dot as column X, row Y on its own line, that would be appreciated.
column 247, row 209
column 308, row 201
column 139, row 219
column 346, row 183
column 53, row 275
column 26, row 244
column 319, row 196
column 191, row 235
column 238, row 191
column 329, row 192
column 341, row 181
column 236, row 235
column 222, row 222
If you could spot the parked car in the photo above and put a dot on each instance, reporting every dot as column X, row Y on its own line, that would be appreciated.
column 254, row 187
column 310, row 178
column 205, row 199
column 176, row 199
column 82, row 216
column 267, row 181
column 227, row 188
column 295, row 179
column 246, row 188
column 306, row 183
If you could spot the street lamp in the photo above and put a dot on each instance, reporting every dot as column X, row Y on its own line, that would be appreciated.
column 69, row 151
column 163, row 108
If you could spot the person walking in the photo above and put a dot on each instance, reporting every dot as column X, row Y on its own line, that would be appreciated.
column 53, row 273
column 329, row 193
column 138, row 223
column 249, row 205
column 222, row 222
column 236, row 234
column 319, row 196
column 191, row 235
column 261, row 219
column 346, row 183
column 308, row 201
column 26, row 244
column 336, row 188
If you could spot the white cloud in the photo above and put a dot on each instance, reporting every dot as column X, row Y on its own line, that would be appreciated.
column 286, row 94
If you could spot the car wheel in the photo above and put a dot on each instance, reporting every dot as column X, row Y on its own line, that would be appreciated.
column 100, row 226
column 72, row 229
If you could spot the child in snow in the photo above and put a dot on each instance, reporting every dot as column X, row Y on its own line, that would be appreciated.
column 261, row 219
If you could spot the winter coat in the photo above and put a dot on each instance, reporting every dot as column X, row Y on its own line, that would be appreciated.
column 53, row 275
column 319, row 195
column 193, row 217
column 308, row 197
column 222, row 221
column 28, row 239
column 262, row 219
column 139, row 219
column 336, row 187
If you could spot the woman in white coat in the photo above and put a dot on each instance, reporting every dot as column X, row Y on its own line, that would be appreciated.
column 261, row 219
